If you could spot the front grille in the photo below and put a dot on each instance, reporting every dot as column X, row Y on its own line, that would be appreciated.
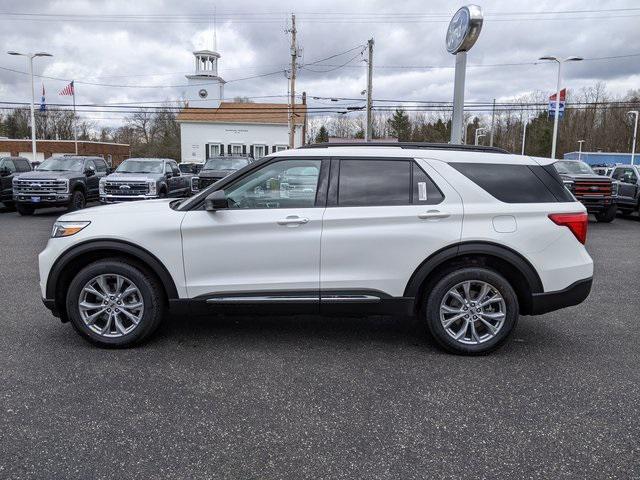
column 126, row 188
column 39, row 187
column 587, row 188
column 204, row 182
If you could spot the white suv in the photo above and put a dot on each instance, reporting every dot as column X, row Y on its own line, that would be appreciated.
column 465, row 238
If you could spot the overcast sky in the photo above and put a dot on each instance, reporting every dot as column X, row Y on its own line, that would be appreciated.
column 149, row 43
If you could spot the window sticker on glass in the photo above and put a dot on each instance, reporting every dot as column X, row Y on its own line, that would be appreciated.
column 422, row 191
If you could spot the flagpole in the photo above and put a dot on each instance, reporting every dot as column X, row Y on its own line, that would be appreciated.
column 75, row 121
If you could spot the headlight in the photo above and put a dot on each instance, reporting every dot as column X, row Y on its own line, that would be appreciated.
column 101, row 186
column 152, row 188
column 66, row 229
column 614, row 189
column 195, row 182
column 66, row 185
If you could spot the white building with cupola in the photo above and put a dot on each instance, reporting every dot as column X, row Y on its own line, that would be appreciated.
column 211, row 126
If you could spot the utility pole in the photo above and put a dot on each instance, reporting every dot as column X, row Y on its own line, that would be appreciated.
column 493, row 121
column 292, row 90
column 635, row 113
column 524, row 134
column 368, row 130
column 580, row 142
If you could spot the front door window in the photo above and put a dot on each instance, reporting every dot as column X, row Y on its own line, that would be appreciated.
column 282, row 184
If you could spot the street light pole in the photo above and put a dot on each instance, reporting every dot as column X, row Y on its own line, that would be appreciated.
column 580, row 142
column 635, row 134
column 31, row 56
column 560, row 61
column 524, row 134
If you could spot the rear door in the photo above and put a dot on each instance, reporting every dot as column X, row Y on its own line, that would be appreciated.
column 384, row 217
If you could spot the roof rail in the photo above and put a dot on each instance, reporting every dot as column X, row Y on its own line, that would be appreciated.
column 412, row 145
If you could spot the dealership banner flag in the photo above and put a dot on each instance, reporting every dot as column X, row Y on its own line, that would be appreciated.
column 552, row 104
column 43, row 104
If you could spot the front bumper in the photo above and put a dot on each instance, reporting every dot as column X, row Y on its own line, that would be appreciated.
column 572, row 295
column 596, row 204
column 43, row 200
column 125, row 198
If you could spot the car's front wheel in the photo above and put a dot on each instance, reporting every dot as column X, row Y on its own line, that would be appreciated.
column 114, row 304
column 608, row 215
column 471, row 311
column 78, row 201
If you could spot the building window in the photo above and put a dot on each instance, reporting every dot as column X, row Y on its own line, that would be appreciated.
column 236, row 149
column 215, row 150
column 259, row 151
column 280, row 148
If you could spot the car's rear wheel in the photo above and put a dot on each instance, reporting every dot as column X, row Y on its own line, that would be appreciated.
column 471, row 311
column 114, row 304
column 608, row 215
column 25, row 210
column 78, row 201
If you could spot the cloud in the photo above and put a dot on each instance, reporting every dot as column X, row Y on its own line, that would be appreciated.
column 152, row 47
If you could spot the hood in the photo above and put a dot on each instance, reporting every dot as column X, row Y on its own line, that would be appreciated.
column 142, row 208
column 214, row 173
column 134, row 177
column 44, row 175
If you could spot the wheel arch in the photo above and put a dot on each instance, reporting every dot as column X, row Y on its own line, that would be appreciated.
column 85, row 253
column 509, row 263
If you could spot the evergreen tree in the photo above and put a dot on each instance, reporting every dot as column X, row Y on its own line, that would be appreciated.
column 400, row 125
column 322, row 136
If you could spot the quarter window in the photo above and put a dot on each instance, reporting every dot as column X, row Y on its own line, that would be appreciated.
column 374, row 183
column 513, row 183
column 282, row 184
column 425, row 192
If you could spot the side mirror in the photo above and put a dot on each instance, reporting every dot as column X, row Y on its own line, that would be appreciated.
column 168, row 175
column 4, row 172
column 216, row 201
column 89, row 172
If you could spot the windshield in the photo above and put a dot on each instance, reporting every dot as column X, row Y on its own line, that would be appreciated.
column 225, row 164
column 140, row 166
column 573, row 168
column 62, row 164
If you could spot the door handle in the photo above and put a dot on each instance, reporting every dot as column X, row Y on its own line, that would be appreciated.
column 293, row 220
column 433, row 215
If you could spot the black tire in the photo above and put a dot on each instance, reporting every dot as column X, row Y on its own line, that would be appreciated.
column 608, row 215
column 25, row 210
column 148, row 286
column 78, row 201
column 162, row 194
column 437, row 294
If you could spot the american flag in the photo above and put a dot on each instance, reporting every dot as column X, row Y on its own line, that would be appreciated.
column 68, row 90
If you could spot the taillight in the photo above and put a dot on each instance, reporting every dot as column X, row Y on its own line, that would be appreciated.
column 576, row 222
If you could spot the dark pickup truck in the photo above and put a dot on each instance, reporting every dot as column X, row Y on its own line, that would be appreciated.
column 146, row 178
column 596, row 192
column 219, row 167
column 69, row 181
column 11, row 167
column 627, row 178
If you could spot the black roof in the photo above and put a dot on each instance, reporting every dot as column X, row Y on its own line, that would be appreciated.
column 412, row 145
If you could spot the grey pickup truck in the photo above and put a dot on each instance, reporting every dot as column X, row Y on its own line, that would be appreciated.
column 146, row 178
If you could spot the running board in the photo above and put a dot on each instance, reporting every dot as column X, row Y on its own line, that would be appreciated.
column 291, row 299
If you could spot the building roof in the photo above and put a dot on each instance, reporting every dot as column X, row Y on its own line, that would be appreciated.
column 242, row 112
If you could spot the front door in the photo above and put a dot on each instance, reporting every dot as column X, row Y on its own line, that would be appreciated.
column 266, row 244
column 384, row 217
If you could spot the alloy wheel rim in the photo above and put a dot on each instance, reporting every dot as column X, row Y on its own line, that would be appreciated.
column 111, row 305
column 473, row 312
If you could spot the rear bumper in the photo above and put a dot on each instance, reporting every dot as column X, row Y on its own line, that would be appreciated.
column 572, row 295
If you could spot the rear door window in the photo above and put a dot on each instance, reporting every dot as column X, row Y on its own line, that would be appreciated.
column 364, row 183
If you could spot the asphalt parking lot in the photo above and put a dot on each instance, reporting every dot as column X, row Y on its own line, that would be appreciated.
column 310, row 397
